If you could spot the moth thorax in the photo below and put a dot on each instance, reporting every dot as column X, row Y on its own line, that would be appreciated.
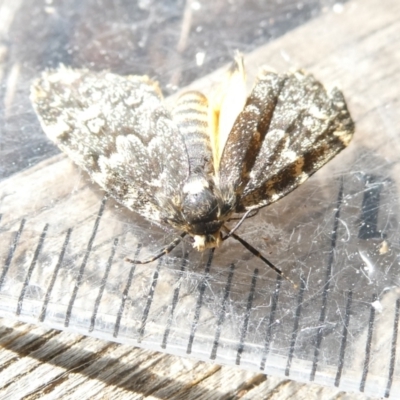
column 200, row 207
column 199, row 202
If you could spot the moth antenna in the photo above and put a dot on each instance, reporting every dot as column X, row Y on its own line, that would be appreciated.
column 254, row 251
column 229, row 234
column 256, row 210
column 167, row 249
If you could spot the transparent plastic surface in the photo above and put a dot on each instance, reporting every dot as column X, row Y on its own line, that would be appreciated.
column 63, row 244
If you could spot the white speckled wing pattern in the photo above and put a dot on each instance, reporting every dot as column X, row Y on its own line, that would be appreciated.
column 117, row 129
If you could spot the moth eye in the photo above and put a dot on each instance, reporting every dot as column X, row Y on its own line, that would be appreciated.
column 191, row 239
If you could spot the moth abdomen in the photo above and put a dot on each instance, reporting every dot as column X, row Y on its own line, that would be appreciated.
column 191, row 117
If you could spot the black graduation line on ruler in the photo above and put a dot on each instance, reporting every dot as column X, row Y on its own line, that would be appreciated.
column 103, row 285
column 328, row 277
column 11, row 253
column 368, row 344
column 30, row 269
column 174, row 303
column 370, row 208
column 150, row 296
column 243, row 331
column 79, row 278
column 47, row 296
column 268, row 334
column 124, row 296
column 199, row 302
column 222, row 313
column 393, row 349
column 295, row 326
column 343, row 342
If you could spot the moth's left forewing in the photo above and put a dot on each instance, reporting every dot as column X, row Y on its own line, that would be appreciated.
column 310, row 125
column 118, row 130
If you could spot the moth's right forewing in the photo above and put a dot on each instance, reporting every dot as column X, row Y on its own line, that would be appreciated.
column 117, row 129
column 309, row 126
column 249, row 132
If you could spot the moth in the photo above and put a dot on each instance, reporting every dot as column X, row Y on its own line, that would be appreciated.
column 195, row 167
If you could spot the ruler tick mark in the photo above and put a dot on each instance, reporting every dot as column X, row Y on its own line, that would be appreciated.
column 368, row 344
column 84, row 262
column 200, row 302
column 149, row 300
column 328, row 277
column 11, row 253
column 222, row 313
column 125, row 293
column 295, row 326
column 30, row 269
column 102, row 285
column 344, row 338
column 42, row 315
column 175, row 299
column 243, row 332
column 393, row 349
column 267, row 340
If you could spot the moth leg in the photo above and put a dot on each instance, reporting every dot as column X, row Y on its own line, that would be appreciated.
column 167, row 249
column 254, row 251
column 247, row 217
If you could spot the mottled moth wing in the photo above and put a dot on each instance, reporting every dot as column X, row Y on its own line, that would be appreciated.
column 290, row 127
column 117, row 129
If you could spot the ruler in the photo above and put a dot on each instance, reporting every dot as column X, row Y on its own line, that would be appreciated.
column 62, row 264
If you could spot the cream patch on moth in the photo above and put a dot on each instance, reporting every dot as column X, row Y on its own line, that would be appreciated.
column 89, row 113
column 131, row 101
column 195, row 186
column 289, row 155
column 299, row 165
column 344, row 136
column 57, row 130
column 302, row 178
column 317, row 113
column 64, row 75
